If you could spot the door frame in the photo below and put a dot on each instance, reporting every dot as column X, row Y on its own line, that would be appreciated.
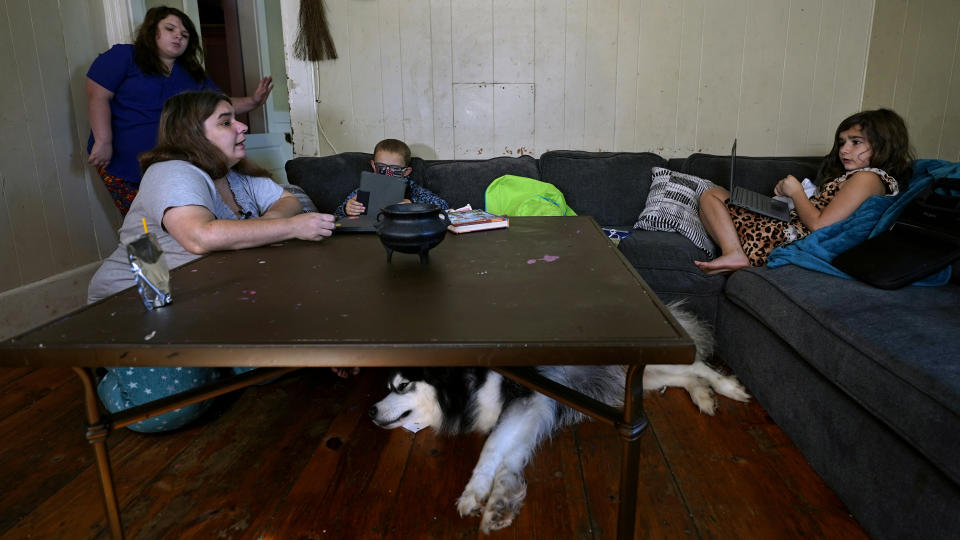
column 123, row 16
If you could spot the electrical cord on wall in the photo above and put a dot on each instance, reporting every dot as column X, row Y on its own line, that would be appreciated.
column 322, row 132
column 316, row 108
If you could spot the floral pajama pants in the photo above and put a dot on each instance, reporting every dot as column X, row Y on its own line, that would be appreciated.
column 122, row 191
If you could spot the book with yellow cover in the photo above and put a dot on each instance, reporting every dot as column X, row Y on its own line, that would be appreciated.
column 462, row 221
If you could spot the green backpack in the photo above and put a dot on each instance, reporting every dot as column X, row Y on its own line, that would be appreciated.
column 519, row 196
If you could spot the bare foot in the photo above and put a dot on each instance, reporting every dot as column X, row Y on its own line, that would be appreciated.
column 723, row 264
column 345, row 372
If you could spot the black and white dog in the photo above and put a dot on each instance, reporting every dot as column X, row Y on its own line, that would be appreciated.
column 461, row 400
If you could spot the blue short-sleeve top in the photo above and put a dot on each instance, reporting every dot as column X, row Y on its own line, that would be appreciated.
column 135, row 108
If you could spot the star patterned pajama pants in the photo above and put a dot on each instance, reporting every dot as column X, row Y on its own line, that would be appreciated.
column 125, row 387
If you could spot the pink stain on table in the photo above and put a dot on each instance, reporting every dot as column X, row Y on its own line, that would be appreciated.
column 545, row 258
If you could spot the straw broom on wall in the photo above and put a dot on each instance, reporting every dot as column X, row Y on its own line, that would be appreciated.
column 314, row 42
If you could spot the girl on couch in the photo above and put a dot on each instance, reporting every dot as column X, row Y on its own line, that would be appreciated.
column 870, row 156
column 199, row 194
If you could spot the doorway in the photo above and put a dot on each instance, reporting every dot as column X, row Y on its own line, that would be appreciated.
column 243, row 41
column 223, row 54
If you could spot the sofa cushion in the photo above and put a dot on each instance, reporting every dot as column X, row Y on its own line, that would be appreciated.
column 611, row 187
column 676, row 163
column 757, row 173
column 462, row 182
column 672, row 205
column 328, row 180
column 894, row 352
column 665, row 262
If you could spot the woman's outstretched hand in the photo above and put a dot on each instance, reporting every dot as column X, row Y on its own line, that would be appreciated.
column 264, row 87
column 313, row 226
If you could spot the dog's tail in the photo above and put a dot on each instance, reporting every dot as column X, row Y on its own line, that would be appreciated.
column 698, row 330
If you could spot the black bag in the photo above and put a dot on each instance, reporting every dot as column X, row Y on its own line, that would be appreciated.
column 937, row 207
column 923, row 241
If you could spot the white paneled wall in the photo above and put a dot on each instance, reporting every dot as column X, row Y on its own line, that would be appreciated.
column 483, row 78
column 915, row 68
column 54, row 213
column 56, row 218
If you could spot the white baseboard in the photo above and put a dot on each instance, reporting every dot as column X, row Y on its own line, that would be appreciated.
column 34, row 304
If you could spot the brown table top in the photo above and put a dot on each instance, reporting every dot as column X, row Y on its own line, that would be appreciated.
column 546, row 290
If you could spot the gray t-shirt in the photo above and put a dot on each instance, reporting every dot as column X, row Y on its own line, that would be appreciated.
column 170, row 184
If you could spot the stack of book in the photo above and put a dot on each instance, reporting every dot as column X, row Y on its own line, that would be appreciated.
column 462, row 221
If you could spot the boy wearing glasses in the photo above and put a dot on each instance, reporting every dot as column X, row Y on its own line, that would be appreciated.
column 391, row 157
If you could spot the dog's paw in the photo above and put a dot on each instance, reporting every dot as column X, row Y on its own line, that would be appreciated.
column 703, row 397
column 729, row 386
column 470, row 504
column 475, row 494
column 497, row 515
column 509, row 491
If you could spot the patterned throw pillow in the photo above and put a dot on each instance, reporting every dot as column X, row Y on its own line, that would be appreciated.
column 302, row 196
column 672, row 206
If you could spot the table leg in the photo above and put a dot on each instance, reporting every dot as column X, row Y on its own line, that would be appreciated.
column 634, row 422
column 97, row 432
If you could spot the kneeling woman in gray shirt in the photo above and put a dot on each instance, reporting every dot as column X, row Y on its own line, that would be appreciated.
column 198, row 194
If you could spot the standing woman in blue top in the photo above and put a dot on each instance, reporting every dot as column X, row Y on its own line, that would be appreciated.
column 127, row 87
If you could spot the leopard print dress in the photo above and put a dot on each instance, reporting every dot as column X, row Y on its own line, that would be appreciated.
column 760, row 234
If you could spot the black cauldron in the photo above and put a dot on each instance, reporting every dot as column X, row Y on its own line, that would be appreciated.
column 411, row 228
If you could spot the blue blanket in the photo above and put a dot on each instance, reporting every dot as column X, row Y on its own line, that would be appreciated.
column 875, row 215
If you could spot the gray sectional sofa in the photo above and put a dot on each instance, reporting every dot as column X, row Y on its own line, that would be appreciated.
column 866, row 382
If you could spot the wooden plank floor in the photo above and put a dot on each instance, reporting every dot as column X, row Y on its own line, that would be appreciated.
column 299, row 459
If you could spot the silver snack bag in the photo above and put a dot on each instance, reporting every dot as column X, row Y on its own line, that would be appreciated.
column 150, row 271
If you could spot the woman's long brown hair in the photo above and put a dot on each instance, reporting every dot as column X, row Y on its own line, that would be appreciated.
column 181, row 136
